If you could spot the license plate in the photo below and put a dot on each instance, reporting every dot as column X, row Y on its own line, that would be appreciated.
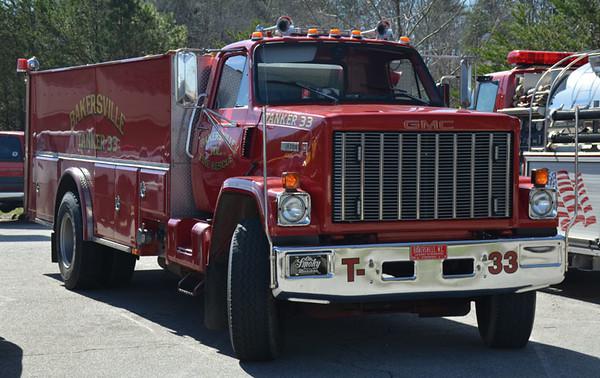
column 429, row 252
column 308, row 265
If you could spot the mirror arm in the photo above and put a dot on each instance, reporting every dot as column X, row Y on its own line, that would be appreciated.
column 213, row 117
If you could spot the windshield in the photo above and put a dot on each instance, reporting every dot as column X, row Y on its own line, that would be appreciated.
column 331, row 72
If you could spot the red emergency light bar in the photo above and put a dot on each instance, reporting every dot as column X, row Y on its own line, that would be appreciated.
column 546, row 58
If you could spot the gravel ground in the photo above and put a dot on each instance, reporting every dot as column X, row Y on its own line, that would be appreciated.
column 148, row 329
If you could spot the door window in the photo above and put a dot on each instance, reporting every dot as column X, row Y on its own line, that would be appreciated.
column 10, row 149
column 233, row 86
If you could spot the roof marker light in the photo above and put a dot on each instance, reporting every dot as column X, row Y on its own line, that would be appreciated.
column 404, row 40
column 257, row 36
column 335, row 33
column 356, row 34
column 22, row 65
column 313, row 32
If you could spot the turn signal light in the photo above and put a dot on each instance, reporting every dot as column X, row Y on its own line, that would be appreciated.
column 290, row 180
column 257, row 36
column 539, row 177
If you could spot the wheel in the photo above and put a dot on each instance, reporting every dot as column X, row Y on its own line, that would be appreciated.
column 252, row 311
column 118, row 267
column 79, row 262
column 506, row 320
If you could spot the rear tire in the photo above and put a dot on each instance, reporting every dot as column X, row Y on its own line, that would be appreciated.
column 506, row 320
column 254, row 326
column 79, row 262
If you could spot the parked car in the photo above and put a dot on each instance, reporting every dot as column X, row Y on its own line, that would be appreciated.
column 11, row 170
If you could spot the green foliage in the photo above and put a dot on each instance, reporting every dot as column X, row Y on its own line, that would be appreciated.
column 555, row 25
column 73, row 32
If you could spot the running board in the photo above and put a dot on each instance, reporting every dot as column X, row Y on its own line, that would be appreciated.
column 191, row 284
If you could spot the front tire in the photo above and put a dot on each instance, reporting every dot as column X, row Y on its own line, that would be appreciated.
column 254, row 326
column 506, row 320
column 78, row 261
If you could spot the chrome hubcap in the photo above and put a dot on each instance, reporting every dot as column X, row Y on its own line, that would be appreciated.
column 67, row 241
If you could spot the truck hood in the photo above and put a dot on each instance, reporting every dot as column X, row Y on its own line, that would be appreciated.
column 394, row 117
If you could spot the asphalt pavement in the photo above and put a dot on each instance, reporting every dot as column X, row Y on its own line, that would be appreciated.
column 150, row 330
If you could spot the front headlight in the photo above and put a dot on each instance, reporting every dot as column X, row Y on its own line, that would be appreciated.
column 542, row 204
column 293, row 209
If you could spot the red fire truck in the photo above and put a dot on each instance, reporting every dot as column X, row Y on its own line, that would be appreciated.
column 299, row 166
column 556, row 95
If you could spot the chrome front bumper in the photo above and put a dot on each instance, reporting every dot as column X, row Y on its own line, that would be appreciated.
column 355, row 271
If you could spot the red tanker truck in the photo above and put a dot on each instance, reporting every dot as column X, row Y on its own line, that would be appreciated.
column 295, row 167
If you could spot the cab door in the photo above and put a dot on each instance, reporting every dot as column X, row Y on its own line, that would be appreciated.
column 221, row 131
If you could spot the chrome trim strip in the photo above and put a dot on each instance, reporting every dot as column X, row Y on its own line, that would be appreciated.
column 418, row 176
column 436, row 176
column 490, row 174
column 112, row 161
column 111, row 244
column 409, row 244
column 453, row 276
column 362, row 176
column 381, row 176
column 44, row 222
column 343, row 176
column 473, row 175
column 399, row 176
column 550, row 265
column 454, row 157
column 398, row 279
column 306, row 300
column 509, row 180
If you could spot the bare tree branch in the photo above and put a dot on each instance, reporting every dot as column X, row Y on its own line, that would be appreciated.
column 443, row 26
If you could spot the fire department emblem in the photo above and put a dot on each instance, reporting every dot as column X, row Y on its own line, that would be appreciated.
column 566, row 200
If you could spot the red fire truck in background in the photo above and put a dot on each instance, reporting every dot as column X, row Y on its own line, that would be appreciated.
column 295, row 167
column 11, row 170
column 556, row 95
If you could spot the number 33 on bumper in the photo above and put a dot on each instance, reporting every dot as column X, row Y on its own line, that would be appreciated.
column 507, row 262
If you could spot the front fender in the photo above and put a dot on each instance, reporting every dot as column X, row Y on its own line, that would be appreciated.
column 252, row 186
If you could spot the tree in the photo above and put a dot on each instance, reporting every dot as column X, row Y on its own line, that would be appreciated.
column 73, row 32
column 562, row 25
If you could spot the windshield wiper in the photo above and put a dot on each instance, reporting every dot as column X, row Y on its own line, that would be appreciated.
column 304, row 86
column 403, row 93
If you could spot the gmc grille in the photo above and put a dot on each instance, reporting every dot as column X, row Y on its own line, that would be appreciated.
column 421, row 176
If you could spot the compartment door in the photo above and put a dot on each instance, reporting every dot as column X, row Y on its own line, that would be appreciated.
column 104, row 200
column 126, row 208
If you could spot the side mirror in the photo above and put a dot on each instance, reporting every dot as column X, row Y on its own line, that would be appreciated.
column 187, row 78
column 444, row 89
column 466, row 72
